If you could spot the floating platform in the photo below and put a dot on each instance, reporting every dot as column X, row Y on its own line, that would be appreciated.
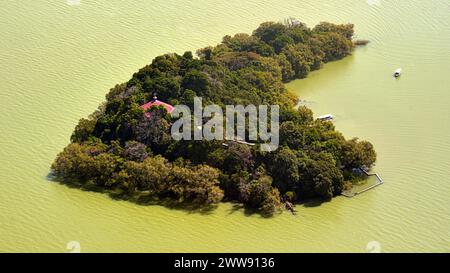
column 373, row 180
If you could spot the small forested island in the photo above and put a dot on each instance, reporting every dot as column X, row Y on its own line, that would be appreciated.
column 127, row 150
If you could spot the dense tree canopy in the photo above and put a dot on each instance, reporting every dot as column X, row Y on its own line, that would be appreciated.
column 120, row 148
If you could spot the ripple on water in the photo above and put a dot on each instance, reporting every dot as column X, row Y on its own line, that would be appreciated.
column 57, row 65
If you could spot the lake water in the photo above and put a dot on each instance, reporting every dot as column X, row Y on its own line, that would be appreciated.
column 59, row 58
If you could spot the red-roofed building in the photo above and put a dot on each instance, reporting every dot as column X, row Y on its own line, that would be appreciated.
column 156, row 102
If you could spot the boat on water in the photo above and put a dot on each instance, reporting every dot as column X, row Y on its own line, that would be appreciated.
column 326, row 117
column 398, row 72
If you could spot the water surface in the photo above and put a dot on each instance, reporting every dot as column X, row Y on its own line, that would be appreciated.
column 59, row 60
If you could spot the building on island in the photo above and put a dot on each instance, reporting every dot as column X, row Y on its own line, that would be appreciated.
column 156, row 102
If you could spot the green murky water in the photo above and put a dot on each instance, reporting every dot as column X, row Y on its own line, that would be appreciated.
column 58, row 61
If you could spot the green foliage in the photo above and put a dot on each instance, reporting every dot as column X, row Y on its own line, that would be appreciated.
column 135, row 151
column 287, row 71
column 196, row 81
column 165, row 87
column 263, row 196
column 358, row 154
column 272, row 34
column 87, row 163
column 301, row 58
column 285, row 169
column 305, row 115
column 280, row 35
column 83, row 131
column 198, row 185
column 245, row 43
column 320, row 176
column 347, row 30
column 121, row 148
column 150, row 175
column 238, row 157
column 334, row 46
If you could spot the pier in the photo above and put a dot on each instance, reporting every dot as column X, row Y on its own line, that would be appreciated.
column 358, row 189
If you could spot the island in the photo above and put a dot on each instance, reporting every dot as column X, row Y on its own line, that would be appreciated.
column 125, row 148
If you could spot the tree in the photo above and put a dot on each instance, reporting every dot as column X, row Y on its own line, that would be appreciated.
column 284, row 169
column 305, row 115
column 346, row 30
column 153, row 129
column 205, row 53
column 104, row 168
column 299, row 32
column 87, row 163
column 166, row 87
column 73, row 163
column 286, row 68
column 334, row 46
column 198, row 185
column 83, row 130
column 268, row 32
column 280, row 35
column 320, row 176
column 281, row 41
column 188, row 98
column 323, row 186
column 238, row 157
column 197, row 82
column 122, row 91
column 358, row 154
column 151, row 174
column 135, row 151
column 263, row 196
column 301, row 58
column 315, row 45
column 271, row 204
column 167, row 64
column 292, row 135
column 244, row 42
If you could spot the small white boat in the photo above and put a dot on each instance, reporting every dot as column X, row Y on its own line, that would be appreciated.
column 398, row 72
column 326, row 117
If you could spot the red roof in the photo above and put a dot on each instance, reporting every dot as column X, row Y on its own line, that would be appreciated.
column 146, row 106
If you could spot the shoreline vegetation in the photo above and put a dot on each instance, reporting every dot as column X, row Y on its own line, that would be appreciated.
column 122, row 151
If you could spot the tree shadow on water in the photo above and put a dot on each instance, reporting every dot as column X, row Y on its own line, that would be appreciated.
column 313, row 203
column 138, row 199
column 249, row 211
column 143, row 199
